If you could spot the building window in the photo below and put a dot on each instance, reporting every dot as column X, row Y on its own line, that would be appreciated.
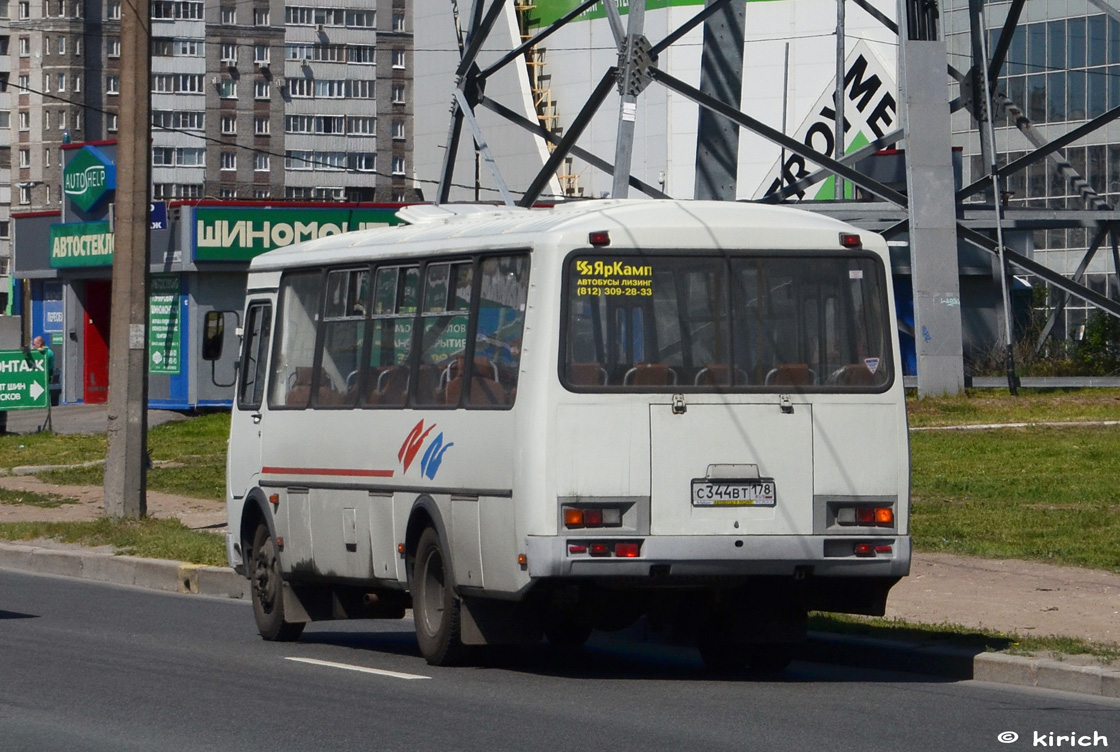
column 229, row 124
column 262, row 89
column 227, row 193
column 262, row 162
column 24, row 157
column 229, row 160
column 47, row 157
column 364, row 54
column 398, row 22
column 5, row 229
column 229, row 54
column 260, row 17
column 398, row 130
column 398, row 93
column 5, row 120
column 78, row 120
column 112, row 85
column 361, row 19
column 25, row 12
column 77, row 83
column 262, row 193
column 398, row 59
column 261, row 54
column 48, row 188
column 113, row 47
column 46, row 120
column 62, row 82
column 229, row 15
column 398, row 165
column 62, row 119
column 25, row 47
column 297, row 192
column 77, row 47
column 114, row 9
column 261, row 126
column 25, row 193
column 112, row 124
column 361, row 126
column 62, row 45
column 227, row 88
column 24, row 120
column 365, row 162
column 24, row 83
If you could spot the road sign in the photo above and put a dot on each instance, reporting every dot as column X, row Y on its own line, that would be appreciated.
column 23, row 381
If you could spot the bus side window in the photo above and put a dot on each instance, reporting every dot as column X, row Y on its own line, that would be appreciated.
column 501, row 322
column 395, row 297
column 250, row 392
column 447, row 301
column 293, row 352
column 344, row 328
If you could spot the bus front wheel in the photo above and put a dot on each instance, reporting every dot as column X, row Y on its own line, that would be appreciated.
column 436, row 609
column 267, row 587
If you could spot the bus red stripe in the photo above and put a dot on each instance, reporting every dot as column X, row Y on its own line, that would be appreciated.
column 346, row 472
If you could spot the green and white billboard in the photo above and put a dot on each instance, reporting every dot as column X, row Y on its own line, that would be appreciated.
column 77, row 244
column 88, row 176
column 23, row 380
column 240, row 233
column 165, row 324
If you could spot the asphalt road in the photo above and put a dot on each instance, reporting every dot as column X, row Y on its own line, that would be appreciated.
column 85, row 666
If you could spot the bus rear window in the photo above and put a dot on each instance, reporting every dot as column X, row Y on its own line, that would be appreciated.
column 736, row 322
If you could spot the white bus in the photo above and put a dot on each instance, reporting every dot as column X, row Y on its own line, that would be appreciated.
column 543, row 422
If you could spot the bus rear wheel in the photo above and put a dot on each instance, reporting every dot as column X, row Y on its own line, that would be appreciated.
column 436, row 610
column 267, row 588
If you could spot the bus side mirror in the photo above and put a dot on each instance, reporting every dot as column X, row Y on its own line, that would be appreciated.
column 214, row 334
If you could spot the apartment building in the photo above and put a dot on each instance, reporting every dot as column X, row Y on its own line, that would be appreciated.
column 251, row 99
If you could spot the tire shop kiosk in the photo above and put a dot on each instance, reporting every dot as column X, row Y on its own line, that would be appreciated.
column 199, row 254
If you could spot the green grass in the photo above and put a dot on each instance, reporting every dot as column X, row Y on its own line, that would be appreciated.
column 1047, row 494
column 33, row 499
column 150, row 538
column 953, row 635
column 196, row 446
column 50, row 449
column 1031, row 406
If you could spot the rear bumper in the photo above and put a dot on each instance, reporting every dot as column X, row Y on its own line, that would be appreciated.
column 688, row 556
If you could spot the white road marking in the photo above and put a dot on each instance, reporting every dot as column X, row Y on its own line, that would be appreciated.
column 362, row 669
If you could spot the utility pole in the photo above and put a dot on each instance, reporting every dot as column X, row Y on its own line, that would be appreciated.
column 126, row 461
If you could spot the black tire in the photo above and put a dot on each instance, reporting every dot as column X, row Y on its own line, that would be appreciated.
column 267, row 587
column 769, row 658
column 436, row 610
column 721, row 644
column 564, row 632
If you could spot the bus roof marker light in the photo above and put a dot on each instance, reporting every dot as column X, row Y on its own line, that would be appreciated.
column 598, row 239
column 274, row 500
column 850, row 240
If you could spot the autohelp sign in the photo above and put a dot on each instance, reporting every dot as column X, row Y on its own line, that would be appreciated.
column 239, row 234
column 88, row 176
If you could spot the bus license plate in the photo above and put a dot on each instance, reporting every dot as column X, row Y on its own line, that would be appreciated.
column 748, row 493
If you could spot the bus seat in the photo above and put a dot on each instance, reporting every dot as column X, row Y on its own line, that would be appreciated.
column 484, row 391
column 720, row 374
column 853, row 374
column 791, row 374
column 391, row 387
column 483, row 366
column 650, row 374
column 587, row 374
column 428, row 383
column 299, row 391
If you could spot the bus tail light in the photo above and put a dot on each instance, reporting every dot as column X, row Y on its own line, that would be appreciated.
column 599, row 516
column 865, row 549
column 865, row 516
column 628, row 550
column 606, row 549
column 599, row 238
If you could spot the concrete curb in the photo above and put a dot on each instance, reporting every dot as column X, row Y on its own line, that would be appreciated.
column 922, row 658
column 104, row 566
